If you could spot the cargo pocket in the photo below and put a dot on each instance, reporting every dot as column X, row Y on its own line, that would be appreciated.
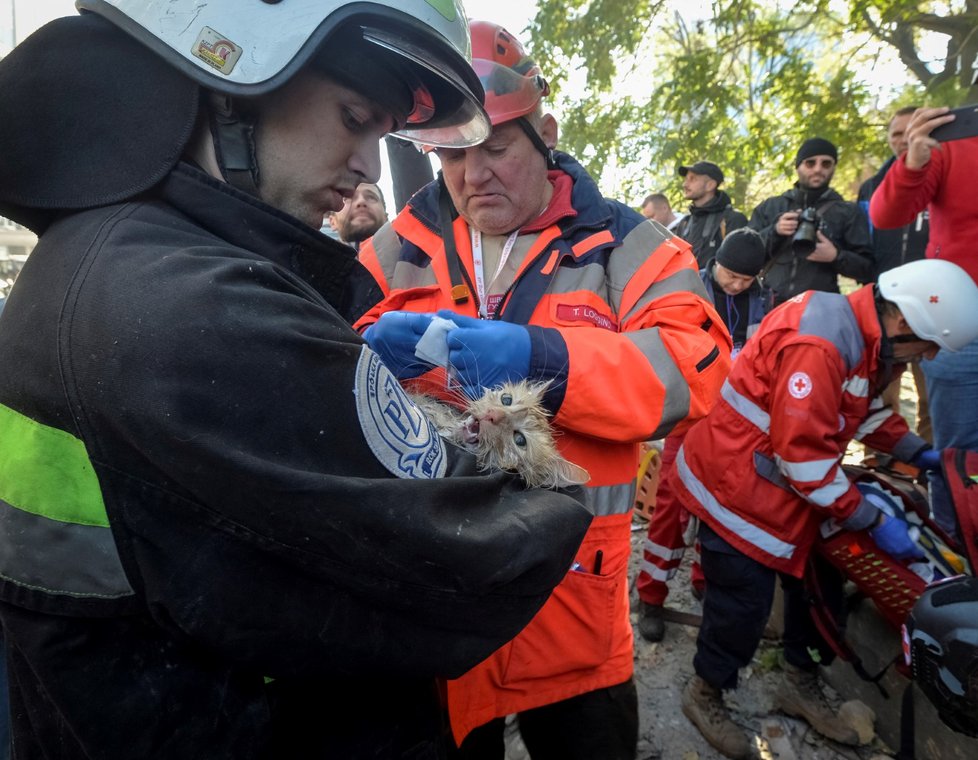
column 573, row 630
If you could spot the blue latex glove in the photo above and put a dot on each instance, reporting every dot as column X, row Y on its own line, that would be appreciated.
column 394, row 337
column 927, row 459
column 486, row 353
column 892, row 537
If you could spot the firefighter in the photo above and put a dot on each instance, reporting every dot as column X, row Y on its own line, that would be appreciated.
column 226, row 531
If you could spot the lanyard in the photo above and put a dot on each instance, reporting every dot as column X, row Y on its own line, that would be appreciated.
column 478, row 266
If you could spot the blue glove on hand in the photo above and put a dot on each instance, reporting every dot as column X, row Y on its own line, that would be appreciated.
column 486, row 353
column 394, row 337
column 892, row 536
column 927, row 459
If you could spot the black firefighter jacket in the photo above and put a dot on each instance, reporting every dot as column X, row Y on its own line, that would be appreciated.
column 224, row 532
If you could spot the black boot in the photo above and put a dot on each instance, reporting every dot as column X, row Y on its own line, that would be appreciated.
column 650, row 624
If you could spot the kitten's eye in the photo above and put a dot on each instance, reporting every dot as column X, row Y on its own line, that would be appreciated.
column 507, row 400
column 519, row 439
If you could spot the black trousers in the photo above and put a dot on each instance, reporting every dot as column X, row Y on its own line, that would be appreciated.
column 599, row 724
column 737, row 606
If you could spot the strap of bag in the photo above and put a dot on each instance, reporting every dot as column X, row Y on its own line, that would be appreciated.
column 827, row 626
column 907, row 727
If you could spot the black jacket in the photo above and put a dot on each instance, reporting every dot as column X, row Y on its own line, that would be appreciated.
column 842, row 222
column 241, row 493
column 897, row 246
column 705, row 227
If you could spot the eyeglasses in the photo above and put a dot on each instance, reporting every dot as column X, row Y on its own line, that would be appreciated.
column 825, row 163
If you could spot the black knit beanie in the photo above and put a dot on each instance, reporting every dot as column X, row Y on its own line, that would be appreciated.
column 742, row 252
column 816, row 146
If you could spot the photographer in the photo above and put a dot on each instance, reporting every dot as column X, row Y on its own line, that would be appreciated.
column 813, row 235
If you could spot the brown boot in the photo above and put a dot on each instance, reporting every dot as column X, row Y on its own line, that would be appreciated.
column 800, row 695
column 704, row 707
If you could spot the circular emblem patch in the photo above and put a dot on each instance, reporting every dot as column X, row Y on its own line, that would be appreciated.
column 799, row 385
column 398, row 433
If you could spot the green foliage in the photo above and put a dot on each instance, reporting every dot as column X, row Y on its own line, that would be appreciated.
column 742, row 87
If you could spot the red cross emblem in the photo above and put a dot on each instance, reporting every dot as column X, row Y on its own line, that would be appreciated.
column 799, row 385
column 934, row 299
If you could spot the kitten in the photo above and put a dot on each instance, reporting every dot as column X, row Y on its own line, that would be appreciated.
column 507, row 429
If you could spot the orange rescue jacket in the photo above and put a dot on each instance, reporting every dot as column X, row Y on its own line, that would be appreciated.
column 623, row 329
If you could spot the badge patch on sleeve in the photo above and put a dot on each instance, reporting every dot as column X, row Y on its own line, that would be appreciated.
column 400, row 436
column 799, row 384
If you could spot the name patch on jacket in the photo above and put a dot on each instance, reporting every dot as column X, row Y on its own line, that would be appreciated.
column 583, row 313
column 400, row 436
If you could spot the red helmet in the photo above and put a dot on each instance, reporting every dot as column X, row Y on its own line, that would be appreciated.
column 512, row 81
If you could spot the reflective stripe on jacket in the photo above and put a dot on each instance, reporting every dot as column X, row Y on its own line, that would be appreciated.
column 633, row 349
column 764, row 468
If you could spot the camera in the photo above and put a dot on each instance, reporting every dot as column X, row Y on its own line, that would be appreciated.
column 806, row 236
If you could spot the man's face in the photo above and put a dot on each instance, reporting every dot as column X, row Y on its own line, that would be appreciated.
column 500, row 185
column 729, row 281
column 316, row 141
column 657, row 211
column 699, row 188
column 907, row 347
column 896, row 133
column 815, row 172
column 362, row 215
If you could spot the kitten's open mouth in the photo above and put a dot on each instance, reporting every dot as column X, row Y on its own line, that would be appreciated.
column 470, row 430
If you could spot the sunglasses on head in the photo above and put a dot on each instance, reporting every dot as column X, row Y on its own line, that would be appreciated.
column 825, row 163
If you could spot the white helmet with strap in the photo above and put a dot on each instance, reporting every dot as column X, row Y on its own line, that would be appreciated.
column 246, row 48
column 938, row 299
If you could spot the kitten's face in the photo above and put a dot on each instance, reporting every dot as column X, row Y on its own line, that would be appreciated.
column 510, row 431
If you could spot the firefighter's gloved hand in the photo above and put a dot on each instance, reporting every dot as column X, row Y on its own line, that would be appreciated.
column 486, row 353
column 892, row 536
column 927, row 459
column 394, row 337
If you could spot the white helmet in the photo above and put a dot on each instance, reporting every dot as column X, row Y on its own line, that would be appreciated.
column 938, row 299
column 251, row 47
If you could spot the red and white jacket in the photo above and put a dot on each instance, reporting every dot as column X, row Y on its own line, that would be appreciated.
column 763, row 469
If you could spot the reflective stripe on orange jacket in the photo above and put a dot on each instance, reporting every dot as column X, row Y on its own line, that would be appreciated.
column 634, row 350
column 764, row 468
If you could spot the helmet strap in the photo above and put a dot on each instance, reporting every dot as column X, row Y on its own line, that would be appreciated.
column 537, row 141
column 234, row 144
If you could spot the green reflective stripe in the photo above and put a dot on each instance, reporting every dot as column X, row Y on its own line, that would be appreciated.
column 46, row 471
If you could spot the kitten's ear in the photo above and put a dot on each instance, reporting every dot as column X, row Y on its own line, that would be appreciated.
column 569, row 474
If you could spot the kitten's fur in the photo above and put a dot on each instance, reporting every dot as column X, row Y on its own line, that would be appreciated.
column 507, row 429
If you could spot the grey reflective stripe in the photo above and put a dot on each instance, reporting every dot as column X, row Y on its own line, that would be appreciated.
column 407, row 275
column 683, row 281
column 636, row 247
column 807, row 472
column 677, row 395
column 65, row 558
column 611, row 500
column 830, row 316
column 656, row 573
column 589, row 278
column 663, row 552
column 856, row 386
column 749, row 532
column 387, row 246
column 827, row 495
column 746, row 408
column 872, row 423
